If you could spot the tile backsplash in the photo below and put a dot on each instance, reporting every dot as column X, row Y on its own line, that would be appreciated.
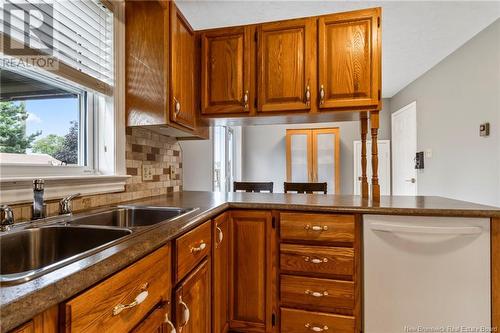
column 143, row 146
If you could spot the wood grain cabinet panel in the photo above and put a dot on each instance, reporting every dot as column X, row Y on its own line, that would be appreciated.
column 191, row 248
column 298, row 321
column 146, row 51
column 182, row 70
column 331, row 228
column 193, row 303
column 320, row 260
column 286, row 65
column 221, row 271
column 317, row 294
column 93, row 311
column 251, row 281
column 156, row 321
column 225, row 71
column 349, row 59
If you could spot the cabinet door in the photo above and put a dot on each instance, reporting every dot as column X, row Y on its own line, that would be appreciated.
column 193, row 304
column 157, row 321
column 252, row 280
column 220, row 291
column 286, row 60
column 182, row 70
column 349, row 59
column 325, row 157
column 146, row 51
column 299, row 158
column 225, row 71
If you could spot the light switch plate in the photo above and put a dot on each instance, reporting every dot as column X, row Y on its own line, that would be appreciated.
column 484, row 129
column 147, row 172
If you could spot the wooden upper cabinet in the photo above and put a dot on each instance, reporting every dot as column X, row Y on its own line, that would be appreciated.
column 182, row 70
column 349, row 59
column 225, row 71
column 146, row 51
column 286, row 64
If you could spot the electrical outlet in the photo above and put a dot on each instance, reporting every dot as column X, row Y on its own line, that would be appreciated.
column 147, row 172
column 172, row 173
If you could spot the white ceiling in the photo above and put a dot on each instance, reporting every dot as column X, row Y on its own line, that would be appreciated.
column 416, row 35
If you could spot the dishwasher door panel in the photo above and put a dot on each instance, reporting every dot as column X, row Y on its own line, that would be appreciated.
column 425, row 273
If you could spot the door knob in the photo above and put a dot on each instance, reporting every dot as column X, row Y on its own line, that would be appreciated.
column 411, row 180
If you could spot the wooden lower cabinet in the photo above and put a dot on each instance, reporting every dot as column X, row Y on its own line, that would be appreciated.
column 158, row 321
column 193, row 301
column 45, row 322
column 299, row 321
column 320, row 273
column 220, row 274
column 252, row 279
column 103, row 308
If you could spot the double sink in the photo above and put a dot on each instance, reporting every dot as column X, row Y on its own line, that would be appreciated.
column 33, row 249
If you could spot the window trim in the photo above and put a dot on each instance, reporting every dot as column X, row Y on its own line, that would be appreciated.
column 110, row 175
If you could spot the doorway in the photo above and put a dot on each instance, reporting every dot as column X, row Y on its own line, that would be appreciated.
column 404, row 149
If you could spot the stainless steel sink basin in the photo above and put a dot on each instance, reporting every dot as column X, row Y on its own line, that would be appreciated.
column 131, row 216
column 31, row 252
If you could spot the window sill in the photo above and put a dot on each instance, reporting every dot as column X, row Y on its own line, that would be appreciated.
column 20, row 189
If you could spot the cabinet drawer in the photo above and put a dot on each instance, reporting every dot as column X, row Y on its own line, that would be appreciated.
column 191, row 248
column 317, row 227
column 317, row 294
column 298, row 321
column 93, row 311
column 332, row 261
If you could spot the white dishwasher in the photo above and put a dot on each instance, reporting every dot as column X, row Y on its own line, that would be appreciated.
column 426, row 274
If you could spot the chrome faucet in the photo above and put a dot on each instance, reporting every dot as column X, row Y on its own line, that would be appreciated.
column 65, row 204
column 7, row 218
column 38, row 204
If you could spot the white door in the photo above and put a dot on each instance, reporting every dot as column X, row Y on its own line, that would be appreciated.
column 384, row 166
column 404, row 149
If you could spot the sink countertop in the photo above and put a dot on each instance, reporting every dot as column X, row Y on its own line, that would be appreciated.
column 19, row 303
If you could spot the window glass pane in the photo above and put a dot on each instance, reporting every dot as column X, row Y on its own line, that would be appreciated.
column 299, row 158
column 326, row 160
column 40, row 122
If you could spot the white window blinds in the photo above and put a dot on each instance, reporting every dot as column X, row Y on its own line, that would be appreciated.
column 79, row 33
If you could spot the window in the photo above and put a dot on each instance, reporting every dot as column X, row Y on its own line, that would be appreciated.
column 56, row 76
column 224, row 158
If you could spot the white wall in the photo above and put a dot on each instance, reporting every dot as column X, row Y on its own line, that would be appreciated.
column 453, row 98
column 197, row 164
column 264, row 150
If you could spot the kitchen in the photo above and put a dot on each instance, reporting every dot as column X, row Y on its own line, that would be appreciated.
column 120, row 210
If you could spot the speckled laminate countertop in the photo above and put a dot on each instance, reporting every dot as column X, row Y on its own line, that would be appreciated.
column 19, row 303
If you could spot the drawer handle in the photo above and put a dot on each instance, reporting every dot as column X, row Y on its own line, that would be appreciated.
column 220, row 235
column 316, row 293
column 169, row 323
column 201, row 247
column 316, row 227
column 185, row 314
column 316, row 328
column 315, row 260
column 138, row 300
